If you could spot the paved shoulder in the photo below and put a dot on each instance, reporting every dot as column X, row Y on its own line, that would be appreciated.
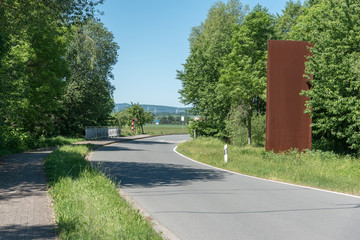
column 25, row 211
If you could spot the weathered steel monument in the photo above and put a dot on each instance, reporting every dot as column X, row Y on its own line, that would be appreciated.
column 287, row 126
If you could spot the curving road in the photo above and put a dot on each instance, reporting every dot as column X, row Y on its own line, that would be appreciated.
column 198, row 202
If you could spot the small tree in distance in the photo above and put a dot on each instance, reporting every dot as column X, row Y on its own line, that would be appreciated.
column 138, row 112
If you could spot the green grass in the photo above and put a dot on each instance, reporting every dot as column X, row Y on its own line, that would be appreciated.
column 324, row 170
column 87, row 203
column 56, row 141
column 153, row 129
column 42, row 142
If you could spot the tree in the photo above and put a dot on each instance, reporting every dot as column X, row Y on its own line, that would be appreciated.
column 244, row 73
column 288, row 19
column 88, row 99
column 209, row 44
column 333, row 70
column 138, row 112
column 33, row 67
column 122, row 118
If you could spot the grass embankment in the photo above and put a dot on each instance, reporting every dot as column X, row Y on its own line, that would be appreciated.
column 317, row 169
column 153, row 129
column 86, row 202
column 41, row 142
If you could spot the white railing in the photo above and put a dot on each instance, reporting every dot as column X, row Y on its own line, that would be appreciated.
column 102, row 132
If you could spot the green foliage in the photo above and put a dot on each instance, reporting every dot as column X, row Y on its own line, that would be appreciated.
column 15, row 140
column 229, row 69
column 288, row 19
column 121, row 119
column 138, row 112
column 236, row 128
column 209, row 44
column 34, row 70
column 204, row 128
column 88, row 99
column 317, row 169
column 56, row 141
column 174, row 119
column 244, row 75
column 87, row 203
column 67, row 161
column 334, row 28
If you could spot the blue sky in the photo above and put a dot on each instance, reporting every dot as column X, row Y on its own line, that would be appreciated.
column 153, row 39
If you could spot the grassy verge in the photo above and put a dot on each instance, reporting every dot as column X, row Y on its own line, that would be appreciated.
column 41, row 142
column 56, row 141
column 317, row 169
column 153, row 129
column 86, row 202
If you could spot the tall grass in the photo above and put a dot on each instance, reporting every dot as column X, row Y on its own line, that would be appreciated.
column 324, row 170
column 23, row 145
column 56, row 141
column 87, row 203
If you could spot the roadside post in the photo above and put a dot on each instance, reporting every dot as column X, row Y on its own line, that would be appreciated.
column 225, row 153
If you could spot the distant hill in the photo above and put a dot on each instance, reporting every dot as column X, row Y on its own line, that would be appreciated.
column 153, row 108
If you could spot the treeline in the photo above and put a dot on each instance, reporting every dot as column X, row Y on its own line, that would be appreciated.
column 127, row 116
column 224, row 77
column 173, row 119
column 56, row 59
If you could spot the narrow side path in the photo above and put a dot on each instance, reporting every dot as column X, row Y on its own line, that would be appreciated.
column 25, row 207
column 25, row 211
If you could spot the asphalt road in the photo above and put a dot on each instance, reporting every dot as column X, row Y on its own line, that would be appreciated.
column 198, row 202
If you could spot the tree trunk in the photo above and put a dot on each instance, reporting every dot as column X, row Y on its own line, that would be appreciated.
column 142, row 129
column 249, row 124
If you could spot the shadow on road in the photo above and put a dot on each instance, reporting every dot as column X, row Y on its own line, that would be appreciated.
column 135, row 174
column 113, row 148
column 148, row 142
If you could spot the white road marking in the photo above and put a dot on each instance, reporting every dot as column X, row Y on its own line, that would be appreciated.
column 263, row 179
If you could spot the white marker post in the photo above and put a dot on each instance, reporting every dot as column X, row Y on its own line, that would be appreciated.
column 225, row 153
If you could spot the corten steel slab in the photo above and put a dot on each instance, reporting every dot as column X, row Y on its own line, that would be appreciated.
column 287, row 126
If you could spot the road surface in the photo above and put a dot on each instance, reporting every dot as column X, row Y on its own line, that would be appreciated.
column 199, row 202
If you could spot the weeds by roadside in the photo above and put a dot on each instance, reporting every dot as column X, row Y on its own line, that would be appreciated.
column 86, row 202
column 313, row 168
column 27, row 144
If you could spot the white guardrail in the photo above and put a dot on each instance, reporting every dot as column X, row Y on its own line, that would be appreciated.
column 102, row 132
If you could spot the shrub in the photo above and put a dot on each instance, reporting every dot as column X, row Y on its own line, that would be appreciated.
column 236, row 128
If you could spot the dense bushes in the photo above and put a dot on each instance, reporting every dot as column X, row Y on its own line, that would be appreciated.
column 236, row 128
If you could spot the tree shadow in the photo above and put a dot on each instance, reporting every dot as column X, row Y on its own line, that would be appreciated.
column 22, row 175
column 149, row 142
column 27, row 232
column 135, row 174
column 113, row 148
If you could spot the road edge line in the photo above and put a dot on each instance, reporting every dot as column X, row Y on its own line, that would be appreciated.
column 156, row 225
column 159, row 228
column 264, row 179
